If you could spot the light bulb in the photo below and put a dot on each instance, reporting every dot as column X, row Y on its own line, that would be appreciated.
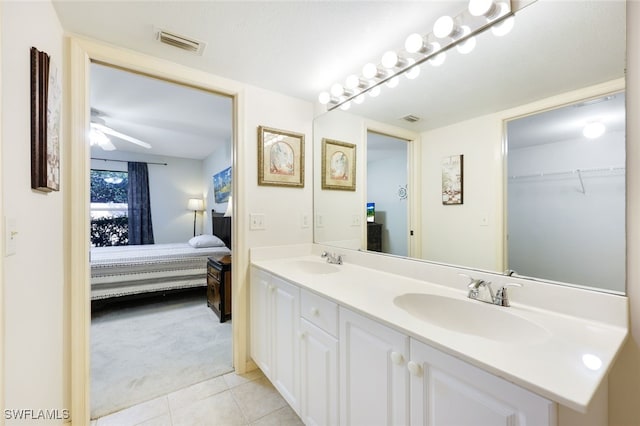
column 469, row 44
column 352, row 81
column 393, row 82
column 389, row 59
column 594, row 130
column 413, row 72
column 444, row 27
column 337, row 90
column 369, row 71
column 486, row 8
column 324, row 98
column 438, row 60
column 345, row 106
column 374, row 91
column 359, row 99
column 504, row 27
column 414, row 43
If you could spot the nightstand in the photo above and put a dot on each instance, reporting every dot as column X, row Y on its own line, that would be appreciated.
column 219, row 286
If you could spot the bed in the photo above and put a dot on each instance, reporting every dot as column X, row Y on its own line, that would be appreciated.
column 140, row 269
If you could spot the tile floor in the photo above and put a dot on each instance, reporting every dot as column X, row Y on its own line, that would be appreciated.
column 232, row 399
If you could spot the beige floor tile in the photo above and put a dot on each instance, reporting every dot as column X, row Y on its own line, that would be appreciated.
column 137, row 414
column 233, row 379
column 257, row 398
column 219, row 410
column 196, row 392
column 164, row 420
column 282, row 417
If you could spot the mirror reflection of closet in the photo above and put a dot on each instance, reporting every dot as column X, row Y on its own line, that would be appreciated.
column 567, row 186
column 387, row 211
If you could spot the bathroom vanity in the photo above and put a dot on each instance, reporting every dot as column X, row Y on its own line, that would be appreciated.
column 385, row 340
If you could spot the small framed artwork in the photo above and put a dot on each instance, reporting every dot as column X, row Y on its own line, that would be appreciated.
column 452, row 190
column 222, row 185
column 280, row 157
column 338, row 165
column 46, row 103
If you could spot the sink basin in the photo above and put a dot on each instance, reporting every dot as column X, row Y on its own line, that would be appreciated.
column 471, row 317
column 313, row 267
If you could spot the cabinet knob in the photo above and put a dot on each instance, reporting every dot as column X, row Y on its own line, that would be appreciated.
column 397, row 358
column 314, row 311
column 414, row 368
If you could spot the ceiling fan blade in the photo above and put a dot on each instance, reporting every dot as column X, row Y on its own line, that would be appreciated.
column 110, row 131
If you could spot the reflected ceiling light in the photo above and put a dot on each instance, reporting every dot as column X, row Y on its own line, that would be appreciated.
column 359, row 99
column 412, row 72
column 97, row 138
column 393, row 82
column 449, row 31
column 345, row 105
column 594, row 129
column 592, row 362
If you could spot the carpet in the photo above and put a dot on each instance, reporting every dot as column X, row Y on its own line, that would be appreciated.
column 144, row 349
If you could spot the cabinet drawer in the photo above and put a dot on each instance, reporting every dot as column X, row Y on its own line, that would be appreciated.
column 319, row 311
column 215, row 273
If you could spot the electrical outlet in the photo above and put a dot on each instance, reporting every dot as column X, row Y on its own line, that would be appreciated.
column 355, row 220
column 304, row 220
column 257, row 221
column 484, row 221
column 319, row 221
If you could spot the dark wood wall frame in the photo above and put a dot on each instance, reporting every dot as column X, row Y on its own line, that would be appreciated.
column 44, row 155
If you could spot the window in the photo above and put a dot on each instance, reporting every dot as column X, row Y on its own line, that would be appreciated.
column 109, row 208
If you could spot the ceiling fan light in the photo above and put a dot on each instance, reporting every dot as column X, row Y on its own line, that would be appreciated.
column 594, row 129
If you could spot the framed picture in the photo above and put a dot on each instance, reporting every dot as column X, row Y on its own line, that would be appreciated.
column 46, row 103
column 338, row 165
column 452, row 190
column 222, row 186
column 280, row 157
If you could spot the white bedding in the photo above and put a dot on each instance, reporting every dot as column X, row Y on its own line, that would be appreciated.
column 124, row 270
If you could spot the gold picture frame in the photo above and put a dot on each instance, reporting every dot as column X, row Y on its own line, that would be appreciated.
column 280, row 157
column 338, row 165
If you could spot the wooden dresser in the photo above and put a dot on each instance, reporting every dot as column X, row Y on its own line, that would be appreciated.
column 219, row 286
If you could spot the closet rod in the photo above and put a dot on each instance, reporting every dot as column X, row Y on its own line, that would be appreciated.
column 125, row 161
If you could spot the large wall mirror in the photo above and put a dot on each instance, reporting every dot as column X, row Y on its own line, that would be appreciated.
column 538, row 197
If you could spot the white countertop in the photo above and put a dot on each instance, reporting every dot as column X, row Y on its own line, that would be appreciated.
column 552, row 367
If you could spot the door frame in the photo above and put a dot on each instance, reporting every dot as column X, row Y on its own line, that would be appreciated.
column 81, row 52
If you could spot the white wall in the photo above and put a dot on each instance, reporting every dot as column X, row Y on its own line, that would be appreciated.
column 467, row 234
column 384, row 178
column 35, row 296
column 218, row 161
column 548, row 216
column 170, row 188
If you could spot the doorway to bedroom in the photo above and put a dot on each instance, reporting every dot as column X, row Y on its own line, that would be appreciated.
column 160, row 194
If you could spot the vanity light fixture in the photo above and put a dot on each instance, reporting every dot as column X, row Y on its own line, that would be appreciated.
column 448, row 31
column 594, row 129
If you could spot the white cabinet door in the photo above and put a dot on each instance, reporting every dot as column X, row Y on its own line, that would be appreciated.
column 319, row 376
column 260, row 331
column 373, row 374
column 285, row 340
column 446, row 391
column 275, row 335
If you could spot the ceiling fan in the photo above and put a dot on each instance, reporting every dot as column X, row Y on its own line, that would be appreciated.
column 100, row 133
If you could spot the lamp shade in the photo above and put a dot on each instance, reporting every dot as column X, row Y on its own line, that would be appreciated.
column 229, row 211
column 195, row 204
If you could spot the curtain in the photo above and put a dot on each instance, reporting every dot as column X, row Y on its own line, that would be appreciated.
column 140, row 227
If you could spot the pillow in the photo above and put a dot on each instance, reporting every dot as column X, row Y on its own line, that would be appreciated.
column 202, row 241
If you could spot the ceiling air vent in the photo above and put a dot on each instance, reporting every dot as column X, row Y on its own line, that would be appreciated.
column 411, row 118
column 180, row 41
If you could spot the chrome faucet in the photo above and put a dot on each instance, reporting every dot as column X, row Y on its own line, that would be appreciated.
column 334, row 258
column 481, row 290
